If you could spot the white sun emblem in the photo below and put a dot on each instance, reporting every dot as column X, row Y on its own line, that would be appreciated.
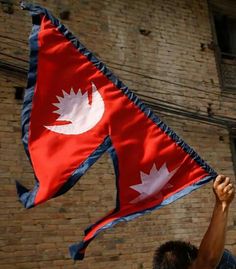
column 153, row 183
column 75, row 108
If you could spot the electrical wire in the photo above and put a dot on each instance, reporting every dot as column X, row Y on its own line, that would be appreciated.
column 138, row 73
column 13, row 68
column 161, row 79
column 167, row 81
column 112, row 65
column 166, row 107
column 14, row 57
column 158, row 105
column 134, row 67
column 13, row 45
column 219, row 121
column 158, row 90
column 21, row 41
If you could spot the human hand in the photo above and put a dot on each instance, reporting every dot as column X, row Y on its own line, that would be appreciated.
column 224, row 190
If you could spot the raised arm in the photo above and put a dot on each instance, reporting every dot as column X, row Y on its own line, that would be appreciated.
column 212, row 245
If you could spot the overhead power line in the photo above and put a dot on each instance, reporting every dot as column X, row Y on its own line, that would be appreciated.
column 157, row 105
column 180, row 85
column 5, row 66
column 131, row 70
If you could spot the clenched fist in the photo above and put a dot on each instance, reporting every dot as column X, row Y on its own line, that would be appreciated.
column 224, row 190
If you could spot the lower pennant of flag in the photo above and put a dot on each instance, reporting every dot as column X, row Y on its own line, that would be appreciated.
column 74, row 110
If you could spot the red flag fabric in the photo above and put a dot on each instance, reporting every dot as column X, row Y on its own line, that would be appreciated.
column 74, row 110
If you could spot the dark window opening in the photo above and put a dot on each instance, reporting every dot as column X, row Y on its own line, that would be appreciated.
column 19, row 93
column 226, row 35
column 233, row 143
column 225, row 27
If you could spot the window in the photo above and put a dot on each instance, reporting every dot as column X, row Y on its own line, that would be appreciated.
column 233, row 144
column 225, row 27
column 226, row 35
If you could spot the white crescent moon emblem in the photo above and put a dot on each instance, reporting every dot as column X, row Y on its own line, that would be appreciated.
column 75, row 107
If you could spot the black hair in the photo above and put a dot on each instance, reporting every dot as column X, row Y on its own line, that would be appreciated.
column 174, row 255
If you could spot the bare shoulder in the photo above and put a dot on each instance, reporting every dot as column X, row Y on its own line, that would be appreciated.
column 200, row 264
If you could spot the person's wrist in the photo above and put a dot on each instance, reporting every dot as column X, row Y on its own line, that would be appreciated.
column 222, row 205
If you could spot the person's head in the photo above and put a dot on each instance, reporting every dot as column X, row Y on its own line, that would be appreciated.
column 174, row 255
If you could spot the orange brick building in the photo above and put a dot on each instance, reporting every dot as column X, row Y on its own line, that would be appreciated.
column 180, row 58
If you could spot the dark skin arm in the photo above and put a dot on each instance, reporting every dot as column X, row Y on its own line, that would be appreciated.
column 212, row 245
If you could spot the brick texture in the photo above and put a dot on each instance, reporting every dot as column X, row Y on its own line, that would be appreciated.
column 159, row 49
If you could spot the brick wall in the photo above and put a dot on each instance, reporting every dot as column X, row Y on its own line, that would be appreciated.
column 159, row 49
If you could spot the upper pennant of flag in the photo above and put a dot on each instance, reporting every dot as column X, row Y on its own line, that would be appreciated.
column 75, row 108
column 153, row 182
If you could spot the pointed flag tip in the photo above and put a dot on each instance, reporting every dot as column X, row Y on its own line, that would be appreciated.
column 20, row 189
column 26, row 196
column 24, row 5
column 77, row 251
